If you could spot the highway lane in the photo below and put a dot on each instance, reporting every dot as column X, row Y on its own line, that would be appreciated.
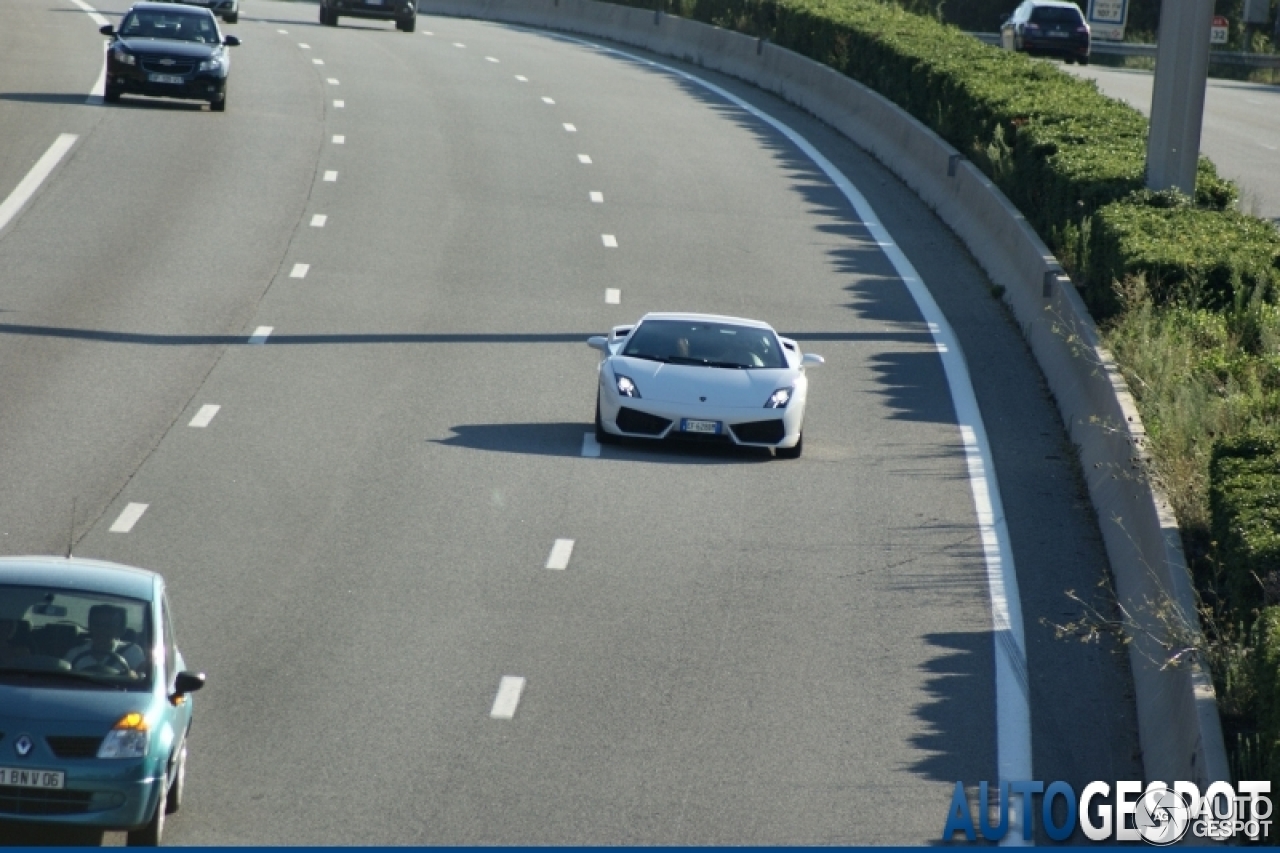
column 1240, row 133
column 739, row 649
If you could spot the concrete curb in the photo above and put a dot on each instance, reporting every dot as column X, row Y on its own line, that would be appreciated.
column 1178, row 723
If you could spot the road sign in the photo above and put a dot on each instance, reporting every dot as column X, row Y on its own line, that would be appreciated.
column 1107, row 19
column 1221, row 26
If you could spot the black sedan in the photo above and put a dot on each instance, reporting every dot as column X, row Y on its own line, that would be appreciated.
column 168, row 51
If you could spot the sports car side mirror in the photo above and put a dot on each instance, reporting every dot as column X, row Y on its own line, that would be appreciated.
column 231, row 41
column 107, row 30
column 599, row 342
column 812, row 359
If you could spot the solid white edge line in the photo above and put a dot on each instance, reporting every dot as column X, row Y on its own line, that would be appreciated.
column 561, row 551
column 299, row 270
column 93, row 14
column 27, row 187
column 261, row 334
column 319, row 220
column 612, row 296
column 590, row 447
column 128, row 518
column 204, row 416
column 504, row 704
column 1013, row 708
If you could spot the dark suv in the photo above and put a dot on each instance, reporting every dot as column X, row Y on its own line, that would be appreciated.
column 1047, row 28
column 403, row 12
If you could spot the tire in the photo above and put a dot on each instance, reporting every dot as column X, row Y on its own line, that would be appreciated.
column 791, row 452
column 151, row 834
column 326, row 17
column 110, row 95
column 220, row 105
column 407, row 25
column 177, row 788
column 603, row 437
column 232, row 17
column 1083, row 60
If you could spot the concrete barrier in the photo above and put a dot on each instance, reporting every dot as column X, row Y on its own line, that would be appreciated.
column 1178, row 722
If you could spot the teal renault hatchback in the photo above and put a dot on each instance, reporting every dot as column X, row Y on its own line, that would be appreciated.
column 95, row 701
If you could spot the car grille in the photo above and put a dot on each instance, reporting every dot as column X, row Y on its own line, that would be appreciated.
column 760, row 432
column 179, row 67
column 74, row 747
column 35, row 801
column 629, row 420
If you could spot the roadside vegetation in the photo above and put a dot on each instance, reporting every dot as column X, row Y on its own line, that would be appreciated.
column 1185, row 290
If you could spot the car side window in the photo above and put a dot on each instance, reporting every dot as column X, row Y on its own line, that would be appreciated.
column 170, row 647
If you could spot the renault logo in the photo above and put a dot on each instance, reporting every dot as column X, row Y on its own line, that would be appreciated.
column 23, row 746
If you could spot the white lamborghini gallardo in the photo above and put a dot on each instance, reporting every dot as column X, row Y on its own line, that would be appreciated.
column 703, row 377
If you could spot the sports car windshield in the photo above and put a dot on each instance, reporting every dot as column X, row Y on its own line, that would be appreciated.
column 74, row 636
column 706, row 343
column 176, row 26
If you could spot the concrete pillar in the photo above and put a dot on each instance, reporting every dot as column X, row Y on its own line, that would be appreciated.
column 1177, row 96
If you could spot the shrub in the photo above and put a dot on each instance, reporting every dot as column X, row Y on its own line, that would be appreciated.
column 1244, row 506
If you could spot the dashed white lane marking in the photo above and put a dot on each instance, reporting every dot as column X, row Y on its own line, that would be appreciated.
column 317, row 62
column 93, row 14
column 427, row 33
column 491, row 59
column 590, row 447
column 570, row 128
column 337, row 105
column 1268, row 147
column 299, row 271
column 612, row 296
column 560, row 552
column 610, row 241
column 128, row 518
column 283, row 32
column 547, row 100
column 332, row 81
column 319, row 220
column 596, row 197
column 261, row 334
column 458, row 44
column 204, row 416
column 583, row 158
column 522, row 78
column 27, row 187
column 304, row 46
column 331, row 176
column 509, row 690
column 339, row 139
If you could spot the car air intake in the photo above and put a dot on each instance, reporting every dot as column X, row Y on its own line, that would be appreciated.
column 760, row 432
column 42, row 801
column 74, row 747
column 641, row 423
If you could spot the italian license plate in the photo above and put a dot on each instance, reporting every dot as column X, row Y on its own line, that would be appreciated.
column 708, row 427
column 166, row 78
column 24, row 777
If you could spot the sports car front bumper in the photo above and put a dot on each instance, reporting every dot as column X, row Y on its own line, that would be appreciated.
column 655, row 419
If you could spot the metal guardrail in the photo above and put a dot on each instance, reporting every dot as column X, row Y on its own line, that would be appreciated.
column 1120, row 48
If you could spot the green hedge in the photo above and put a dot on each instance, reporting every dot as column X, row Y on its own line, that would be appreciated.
column 1244, row 507
column 1266, row 676
column 1197, row 258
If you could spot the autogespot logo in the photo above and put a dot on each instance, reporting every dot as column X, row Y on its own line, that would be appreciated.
column 1158, row 814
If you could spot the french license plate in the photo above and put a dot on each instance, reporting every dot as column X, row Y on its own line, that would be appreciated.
column 708, row 427
column 166, row 78
column 23, row 777
column 1055, row 34
column 373, row 2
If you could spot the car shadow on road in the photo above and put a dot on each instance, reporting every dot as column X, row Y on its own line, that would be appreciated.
column 566, row 439
column 78, row 98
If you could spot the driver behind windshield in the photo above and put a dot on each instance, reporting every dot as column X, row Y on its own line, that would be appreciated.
column 105, row 647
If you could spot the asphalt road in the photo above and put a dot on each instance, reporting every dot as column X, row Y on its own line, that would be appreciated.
column 739, row 649
column 1240, row 132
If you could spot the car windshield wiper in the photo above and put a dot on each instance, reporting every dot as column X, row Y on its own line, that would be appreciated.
column 647, row 357
column 731, row 364
column 52, row 673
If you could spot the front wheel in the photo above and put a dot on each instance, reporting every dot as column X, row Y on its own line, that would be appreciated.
column 151, row 834
column 791, row 452
column 232, row 17
column 111, row 95
column 603, row 437
column 178, row 789
column 407, row 25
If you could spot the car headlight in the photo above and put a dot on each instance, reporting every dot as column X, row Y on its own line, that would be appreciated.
column 779, row 399
column 211, row 65
column 626, row 387
column 124, row 58
column 128, row 739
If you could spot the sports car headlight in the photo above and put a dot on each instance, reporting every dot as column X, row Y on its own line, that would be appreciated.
column 119, row 55
column 779, row 399
column 127, row 740
column 626, row 387
column 211, row 65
